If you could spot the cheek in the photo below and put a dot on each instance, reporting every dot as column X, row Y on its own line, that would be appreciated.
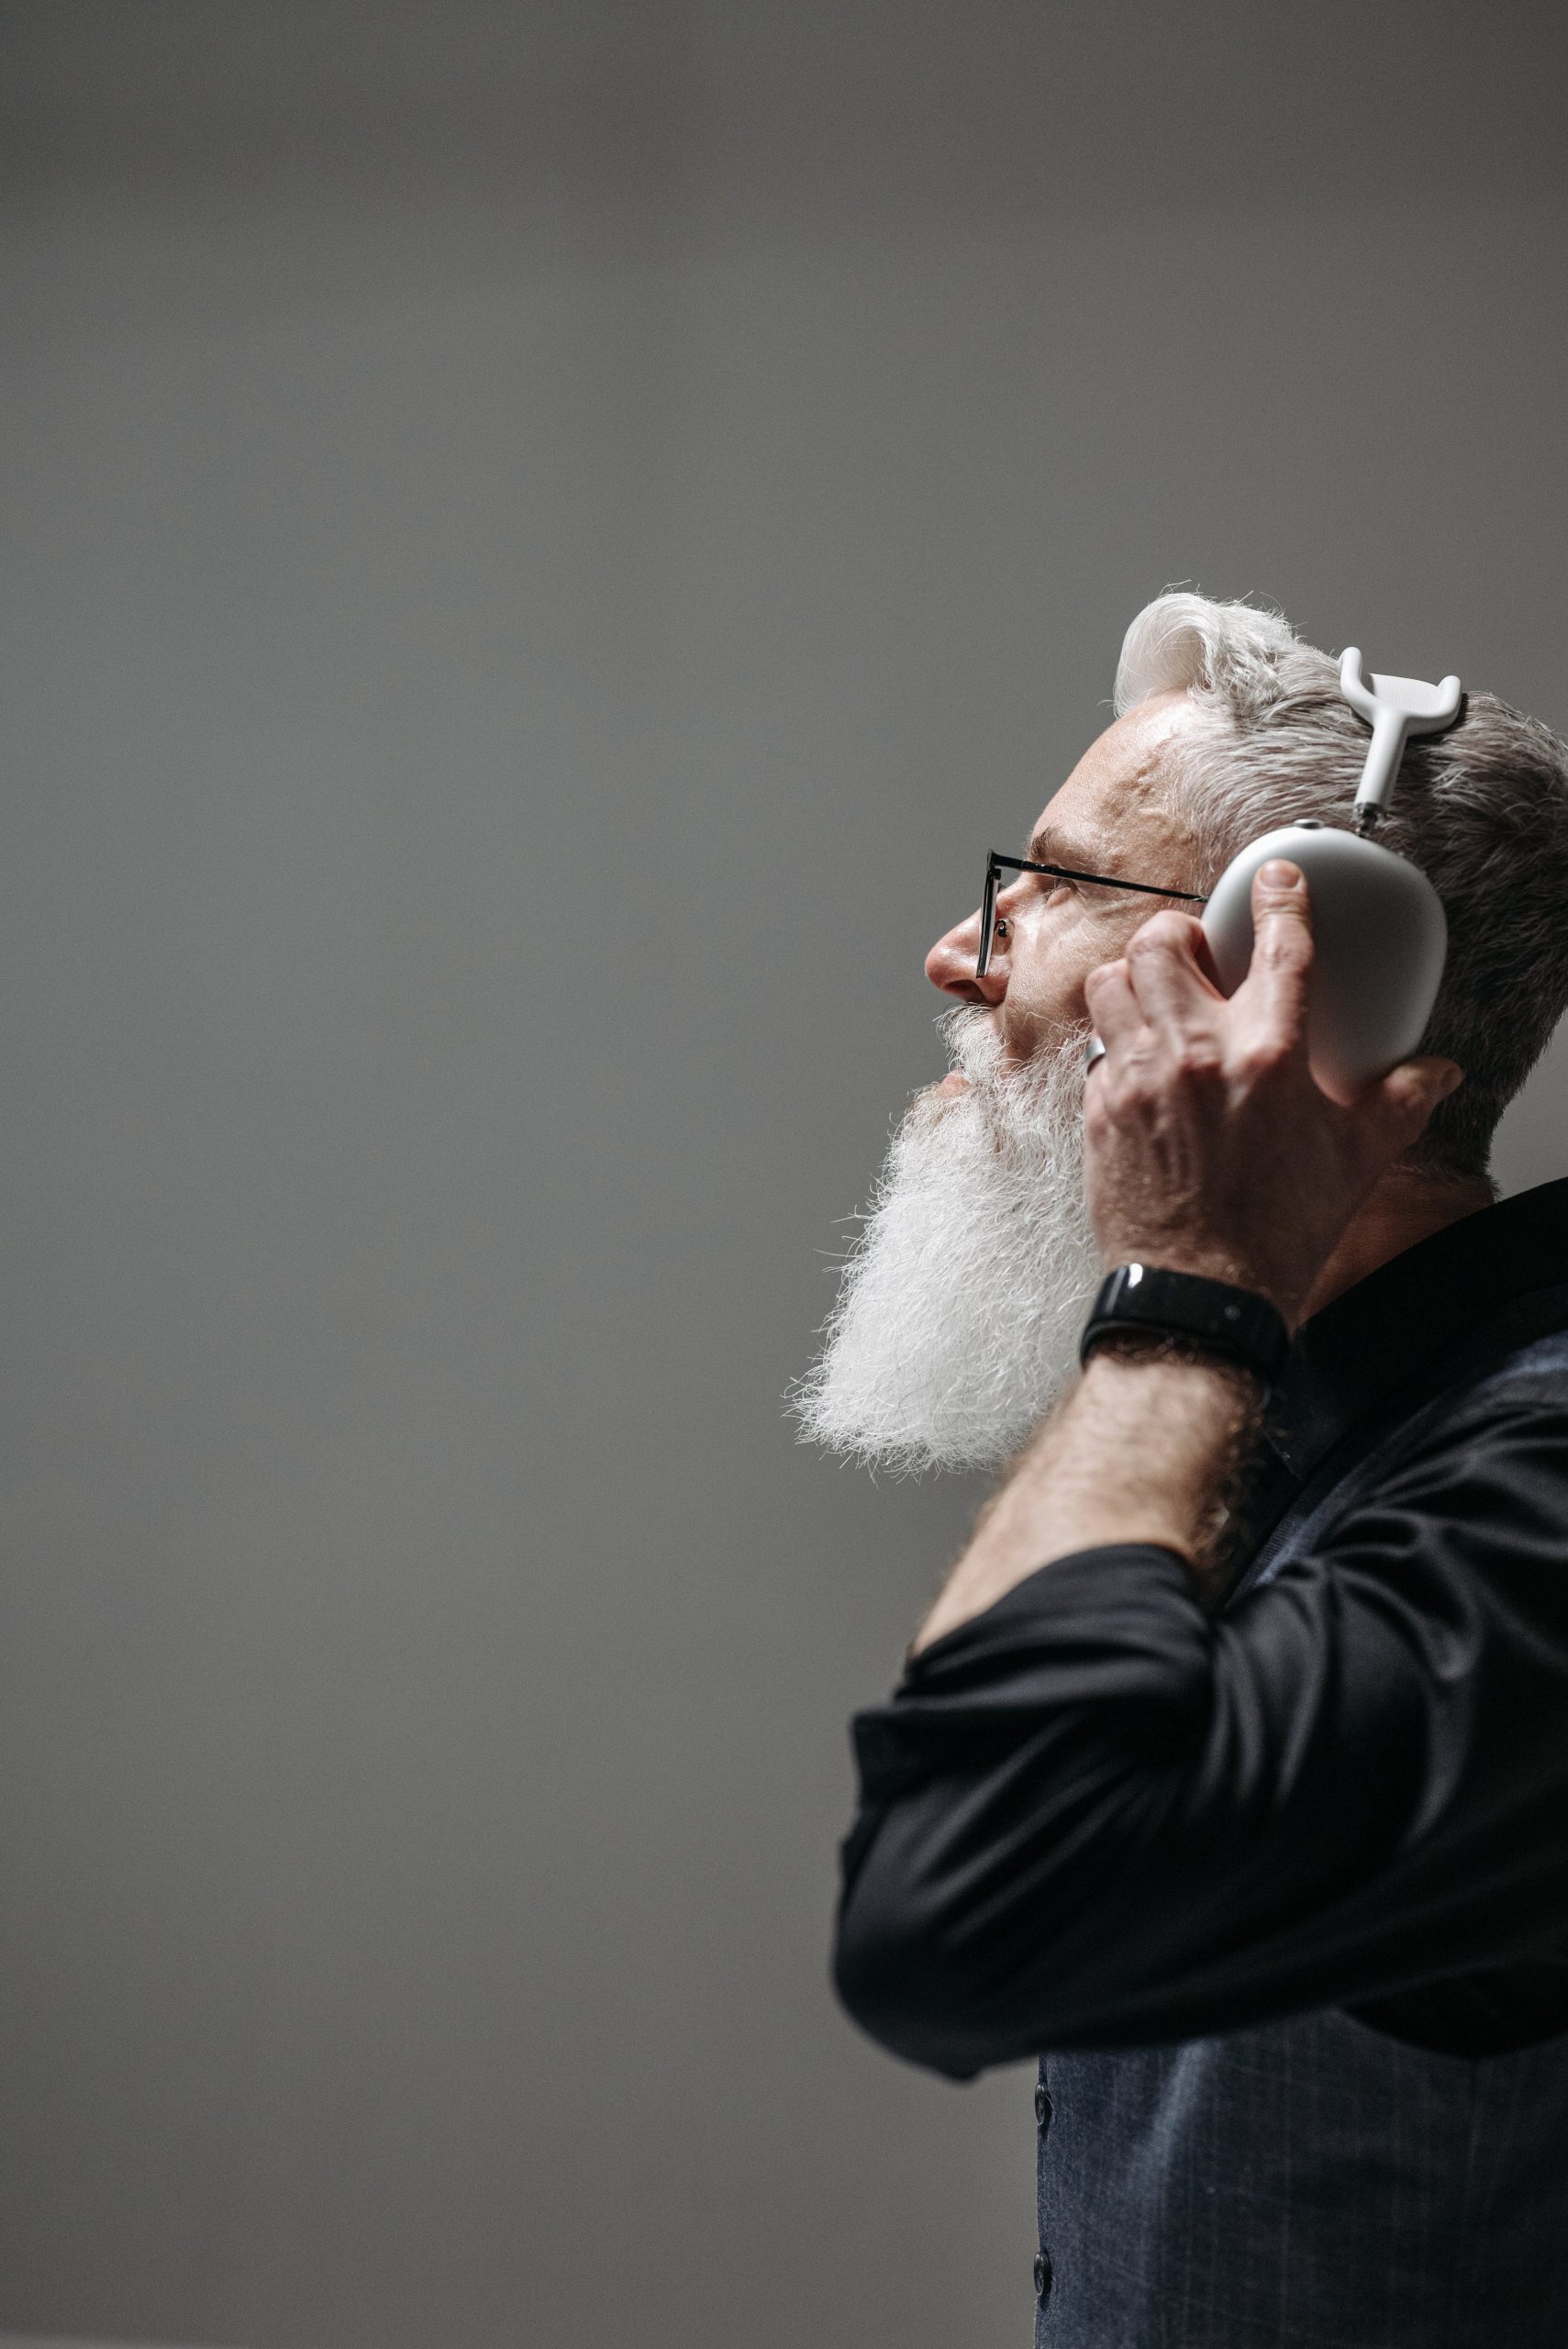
column 1064, row 952
column 1045, row 989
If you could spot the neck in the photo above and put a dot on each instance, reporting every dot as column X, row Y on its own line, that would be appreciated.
column 1406, row 1206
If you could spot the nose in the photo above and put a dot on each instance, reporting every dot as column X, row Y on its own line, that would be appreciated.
column 951, row 965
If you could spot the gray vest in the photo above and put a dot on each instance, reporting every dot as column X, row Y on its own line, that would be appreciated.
column 1310, row 2184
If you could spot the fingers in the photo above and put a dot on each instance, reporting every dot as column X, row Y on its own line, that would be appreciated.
column 1112, row 1006
column 1276, row 983
column 1166, row 977
column 1157, row 986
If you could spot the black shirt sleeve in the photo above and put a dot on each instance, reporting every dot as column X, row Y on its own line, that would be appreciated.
column 1096, row 1816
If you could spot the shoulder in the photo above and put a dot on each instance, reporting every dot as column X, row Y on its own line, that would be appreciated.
column 1509, row 1387
column 1460, row 1464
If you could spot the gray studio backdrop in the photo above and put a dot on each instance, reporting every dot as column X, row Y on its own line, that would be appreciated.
column 543, row 546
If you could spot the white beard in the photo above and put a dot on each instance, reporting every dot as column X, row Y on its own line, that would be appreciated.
column 961, row 1304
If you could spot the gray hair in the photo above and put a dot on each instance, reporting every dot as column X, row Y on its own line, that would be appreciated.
column 1482, row 810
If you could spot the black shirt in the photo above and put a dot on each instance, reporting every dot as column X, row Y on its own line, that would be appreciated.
column 1096, row 1815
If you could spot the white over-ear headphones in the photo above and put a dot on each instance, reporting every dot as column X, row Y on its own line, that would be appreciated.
column 1379, row 932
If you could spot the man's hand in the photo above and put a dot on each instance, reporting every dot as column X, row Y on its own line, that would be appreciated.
column 1210, row 1148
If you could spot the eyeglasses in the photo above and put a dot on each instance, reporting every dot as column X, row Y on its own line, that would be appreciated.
column 996, row 864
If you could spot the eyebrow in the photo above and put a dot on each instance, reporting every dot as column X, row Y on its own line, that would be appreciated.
column 1049, row 847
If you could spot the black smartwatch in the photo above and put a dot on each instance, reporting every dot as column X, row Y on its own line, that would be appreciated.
column 1235, row 1323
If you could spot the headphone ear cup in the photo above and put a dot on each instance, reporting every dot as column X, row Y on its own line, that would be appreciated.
column 1380, row 938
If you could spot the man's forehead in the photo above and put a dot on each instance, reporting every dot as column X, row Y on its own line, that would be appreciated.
column 1098, row 831
column 1117, row 799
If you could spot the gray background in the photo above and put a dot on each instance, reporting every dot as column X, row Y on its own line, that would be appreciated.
column 543, row 546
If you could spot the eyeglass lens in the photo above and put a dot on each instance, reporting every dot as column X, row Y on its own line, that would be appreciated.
column 987, row 918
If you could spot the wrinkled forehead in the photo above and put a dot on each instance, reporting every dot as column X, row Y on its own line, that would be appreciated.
column 1117, row 811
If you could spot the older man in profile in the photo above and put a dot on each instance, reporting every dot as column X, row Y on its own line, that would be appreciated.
column 1229, row 1773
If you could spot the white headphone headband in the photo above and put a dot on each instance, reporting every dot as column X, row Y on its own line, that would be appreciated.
column 1394, row 708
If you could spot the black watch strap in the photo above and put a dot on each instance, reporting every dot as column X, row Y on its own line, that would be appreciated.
column 1234, row 1322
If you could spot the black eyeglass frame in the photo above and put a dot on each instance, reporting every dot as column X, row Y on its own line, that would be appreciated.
column 994, row 867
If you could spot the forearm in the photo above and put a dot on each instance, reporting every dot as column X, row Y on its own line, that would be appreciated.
column 1104, row 1817
column 1146, row 1449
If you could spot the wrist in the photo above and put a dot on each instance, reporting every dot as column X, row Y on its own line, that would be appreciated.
column 1194, row 1309
column 1208, row 1262
column 1145, row 1448
column 1158, row 1351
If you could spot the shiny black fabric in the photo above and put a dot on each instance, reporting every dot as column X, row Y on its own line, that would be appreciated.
column 1096, row 1817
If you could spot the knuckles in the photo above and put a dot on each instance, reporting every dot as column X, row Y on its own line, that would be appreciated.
column 1285, row 943
column 1201, row 1061
column 1162, row 933
column 1261, row 1058
column 1147, row 1073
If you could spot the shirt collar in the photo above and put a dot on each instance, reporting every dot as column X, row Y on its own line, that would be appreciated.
column 1352, row 1355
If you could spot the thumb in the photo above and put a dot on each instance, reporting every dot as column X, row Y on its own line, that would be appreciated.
column 1409, row 1095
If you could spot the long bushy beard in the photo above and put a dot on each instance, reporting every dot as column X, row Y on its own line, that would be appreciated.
column 960, row 1307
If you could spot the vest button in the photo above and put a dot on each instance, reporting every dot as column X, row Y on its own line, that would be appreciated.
column 1042, row 2278
column 1042, row 2106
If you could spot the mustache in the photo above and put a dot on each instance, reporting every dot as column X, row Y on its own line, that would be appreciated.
column 975, row 1050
